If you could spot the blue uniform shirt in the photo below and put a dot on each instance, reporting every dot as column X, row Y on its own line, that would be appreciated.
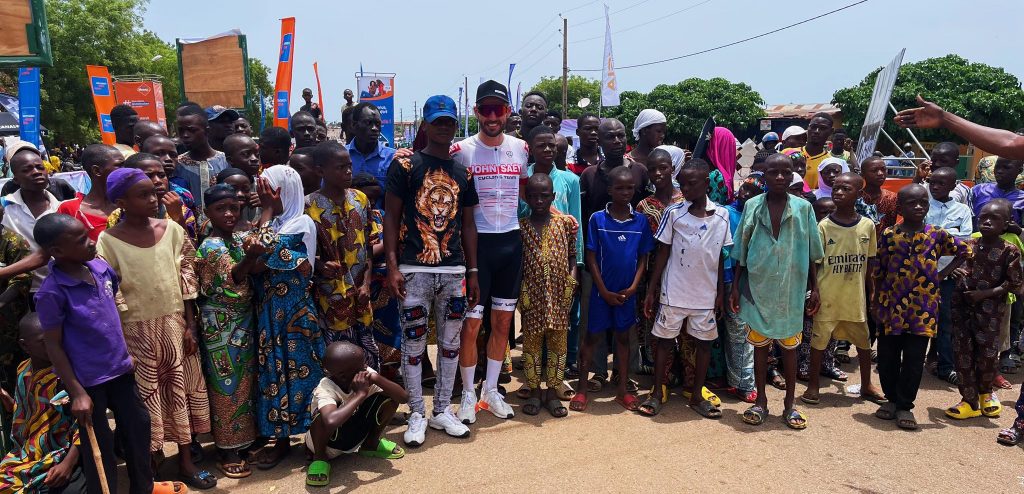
column 618, row 245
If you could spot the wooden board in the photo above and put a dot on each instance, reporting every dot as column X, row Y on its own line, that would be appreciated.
column 213, row 72
column 14, row 16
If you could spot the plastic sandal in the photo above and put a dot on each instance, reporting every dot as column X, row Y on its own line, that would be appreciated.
column 650, row 406
column 1010, row 436
column 795, row 419
column 755, row 415
column 241, row 469
column 886, row 412
column 169, row 488
column 707, row 410
column 962, row 410
column 202, row 480
column 744, row 396
column 629, row 402
column 523, row 392
column 318, row 474
column 706, row 394
column 556, row 409
column 664, row 393
column 565, row 391
column 387, row 450
column 532, row 406
column 578, row 403
column 990, row 406
column 809, row 400
column 1001, row 383
column 905, row 420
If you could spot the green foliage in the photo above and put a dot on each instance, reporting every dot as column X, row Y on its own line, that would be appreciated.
column 577, row 88
column 980, row 93
column 259, row 80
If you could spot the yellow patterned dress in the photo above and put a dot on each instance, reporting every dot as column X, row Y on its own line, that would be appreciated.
column 548, row 258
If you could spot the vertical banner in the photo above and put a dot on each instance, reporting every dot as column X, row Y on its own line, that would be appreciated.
column 874, row 119
column 519, row 92
column 283, row 86
column 102, row 99
column 379, row 89
column 319, row 93
column 511, row 67
column 263, row 111
column 609, row 85
column 28, row 103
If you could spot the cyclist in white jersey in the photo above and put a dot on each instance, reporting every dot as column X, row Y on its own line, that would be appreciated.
column 497, row 163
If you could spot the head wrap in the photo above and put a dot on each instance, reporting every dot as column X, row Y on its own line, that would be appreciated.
column 646, row 118
column 722, row 153
column 292, row 218
column 218, row 193
column 825, row 190
column 122, row 179
column 678, row 156
column 231, row 172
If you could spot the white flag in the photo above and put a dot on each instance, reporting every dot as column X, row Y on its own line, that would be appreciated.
column 609, row 86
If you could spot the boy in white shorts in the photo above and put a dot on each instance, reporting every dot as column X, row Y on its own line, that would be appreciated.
column 687, row 281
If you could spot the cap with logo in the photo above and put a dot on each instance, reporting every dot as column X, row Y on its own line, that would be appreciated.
column 217, row 112
column 440, row 106
column 492, row 89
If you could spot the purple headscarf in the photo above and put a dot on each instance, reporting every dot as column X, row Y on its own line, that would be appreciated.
column 122, row 179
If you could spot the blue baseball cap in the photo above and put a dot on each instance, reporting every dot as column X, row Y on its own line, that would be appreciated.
column 217, row 111
column 440, row 106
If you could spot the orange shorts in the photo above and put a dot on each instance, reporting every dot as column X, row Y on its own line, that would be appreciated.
column 759, row 340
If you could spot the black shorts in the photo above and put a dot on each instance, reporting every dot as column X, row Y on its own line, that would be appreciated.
column 500, row 260
column 353, row 433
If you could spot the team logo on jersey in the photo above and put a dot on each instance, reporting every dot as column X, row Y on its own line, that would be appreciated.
column 508, row 153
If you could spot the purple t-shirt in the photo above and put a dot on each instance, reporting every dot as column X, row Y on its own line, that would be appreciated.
column 88, row 317
column 983, row 193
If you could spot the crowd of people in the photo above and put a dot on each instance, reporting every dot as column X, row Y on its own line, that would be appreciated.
column 210, row 283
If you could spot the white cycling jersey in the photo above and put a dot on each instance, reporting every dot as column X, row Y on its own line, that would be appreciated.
column 497, row 172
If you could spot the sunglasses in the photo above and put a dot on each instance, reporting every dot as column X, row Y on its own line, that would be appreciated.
column 491, row 110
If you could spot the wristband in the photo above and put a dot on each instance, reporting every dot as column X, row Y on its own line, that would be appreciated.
column 473, row 270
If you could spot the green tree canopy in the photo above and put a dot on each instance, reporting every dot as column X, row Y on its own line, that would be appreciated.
column 577, row 88
column 980, row 93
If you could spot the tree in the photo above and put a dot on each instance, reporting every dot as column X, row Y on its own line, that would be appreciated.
column 259, row 81
column 980, row 93
column 578, row 87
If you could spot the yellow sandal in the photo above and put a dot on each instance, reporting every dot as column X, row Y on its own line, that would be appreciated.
column 962, row 411
column 990, row 406
column 707, row 395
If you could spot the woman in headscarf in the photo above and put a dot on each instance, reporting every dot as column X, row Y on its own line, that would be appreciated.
column 828, row 170
column 722, row 154
column 289, row 343
column 649, row 133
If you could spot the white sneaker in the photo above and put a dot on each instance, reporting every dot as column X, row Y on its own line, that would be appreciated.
column 493, row 402
column 467, row 409
column 416, row 431
column 447, row 422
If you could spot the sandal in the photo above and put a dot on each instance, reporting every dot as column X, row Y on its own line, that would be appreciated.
column 706, row 394
column 755, row 415
column 597, row 383
column 629, row 402
column 905, row 420
column 810, row 400
column 387, row 450
column 318, row 474
column 842, row 356
column 565, row 391
column 887, row 411
column 631, row 385
column 263, row 463
column 707, row 410
column 1001, row 383
column 962, row 410
column 556, row 409
column 744, row 396
column 777, row 381
column 664, row 393
column 532, row 406
column 202, row 480
column 650, row 406
column 578, row 403
column 1009, row 436
column 235, row 470
column 874, row 398
column 794, row 419
column 990, row 406
column 523, row 392
column 835, row 374
column 169, row 488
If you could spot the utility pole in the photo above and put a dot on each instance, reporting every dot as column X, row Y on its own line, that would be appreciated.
column 415, row 115
column 465, row 107
column 565, row 67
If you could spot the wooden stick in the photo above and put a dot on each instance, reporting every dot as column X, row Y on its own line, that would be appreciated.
column 97, row 458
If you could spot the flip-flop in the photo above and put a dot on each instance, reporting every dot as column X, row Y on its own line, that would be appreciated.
column 794, row 419
column 873, row 398
column 271, row 464
column 629, row 402
column 578, row 403
column 242, row 467
column 387, row 450
column 905, row 420
column 556, row 409
column 650, row 406
column 1009, row 436
column 202, row 480
column 1001, row 383
column 532, row 406
column 565, row 391
column 707, row 410
column 169, row 488
column 755, row 415
column 318, row 468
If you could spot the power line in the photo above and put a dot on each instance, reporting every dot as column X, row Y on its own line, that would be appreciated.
column 666, row 16
column 728, row 44
column 588, row 21
column 510, row 57
column 539, row 60
column 577, row 7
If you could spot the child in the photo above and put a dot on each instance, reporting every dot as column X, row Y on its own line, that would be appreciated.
column 45, row 431
column 878, row 204
column 1006, row 172
column 350, row 408
column 905, row 299
column 86, row 345
column 223, row 263
column 828, row 170
column 387, row 328
column 739, row 354
column 344, row 259
column 979, row 306
column 158, row 315
column 31, row 201
column 248, row 201
column 549, row 263
column 775, row 258
column 692, row 237
column 92, row 209
column 243, row 153
column 849, row 242
column 956, row 218
column 163, row 148
column 289, row 343
column 823, row 207
column 946, row 155
column 169, row 204
column 301, row 161
column 618, row 243
column 796, row 186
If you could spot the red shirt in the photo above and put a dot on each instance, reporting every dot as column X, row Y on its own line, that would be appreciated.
column 94, row 224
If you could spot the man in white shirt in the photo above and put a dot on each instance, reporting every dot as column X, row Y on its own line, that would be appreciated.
column 31, row 201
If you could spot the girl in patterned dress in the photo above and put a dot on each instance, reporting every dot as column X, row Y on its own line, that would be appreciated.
column 158, row 317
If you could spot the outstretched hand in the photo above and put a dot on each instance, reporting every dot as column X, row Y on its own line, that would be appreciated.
column 927, row 116
column 270, row 198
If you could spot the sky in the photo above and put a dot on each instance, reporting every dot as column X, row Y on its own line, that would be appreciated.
column 433, row 45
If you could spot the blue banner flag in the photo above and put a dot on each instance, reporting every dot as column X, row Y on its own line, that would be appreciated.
column 28, row 102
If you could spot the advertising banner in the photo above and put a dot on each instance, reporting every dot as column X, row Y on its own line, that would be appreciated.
column 146, row 97
column 379, row 89
column 28, row 103
column 283, row 86
column 102, row 99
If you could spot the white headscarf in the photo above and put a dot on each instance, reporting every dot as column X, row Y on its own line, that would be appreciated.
column 825, row 190
column 678, row 156
column 293, row 219
column 647, row 118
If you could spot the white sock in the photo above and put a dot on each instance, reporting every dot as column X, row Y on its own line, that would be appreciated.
column 468, row 376
column 493, row 369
